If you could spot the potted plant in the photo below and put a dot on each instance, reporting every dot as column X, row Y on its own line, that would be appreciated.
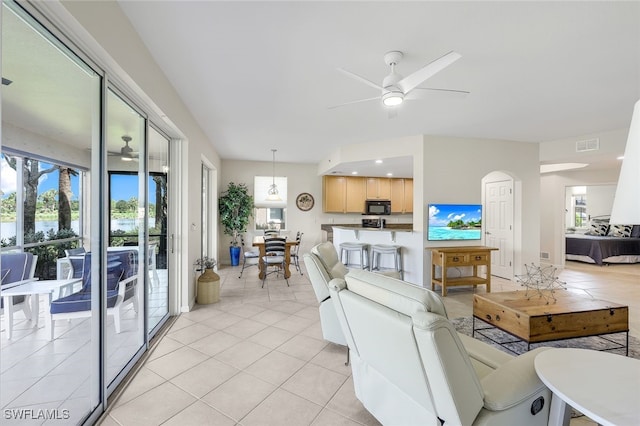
column 208, row 290
column 236, row 207
column 205, row 263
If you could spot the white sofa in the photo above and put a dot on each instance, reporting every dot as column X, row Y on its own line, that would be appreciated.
column 411, row 367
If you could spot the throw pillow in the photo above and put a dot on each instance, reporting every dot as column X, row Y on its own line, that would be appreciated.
column 600, row 229
column 620, row 231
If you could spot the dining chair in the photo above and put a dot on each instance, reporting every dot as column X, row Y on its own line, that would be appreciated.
column 295, row 250
column 275, row 256
column 250, row 257
column 271, row 233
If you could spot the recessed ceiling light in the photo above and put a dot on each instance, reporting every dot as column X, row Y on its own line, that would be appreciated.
column 378, row 161
column 621, row 157
column 354, row 173
column 389, row 174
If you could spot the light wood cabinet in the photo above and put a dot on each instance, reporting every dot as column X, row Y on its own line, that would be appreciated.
column 343, row 194
column 401, row 195
column 448, row 257
column 334, row 194
column 378, row 188
column 355, row 195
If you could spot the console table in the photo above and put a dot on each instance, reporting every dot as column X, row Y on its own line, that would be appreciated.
column 448, row 257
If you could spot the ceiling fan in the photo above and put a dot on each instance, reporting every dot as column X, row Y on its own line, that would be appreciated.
column 395, row 88
column 126, row 152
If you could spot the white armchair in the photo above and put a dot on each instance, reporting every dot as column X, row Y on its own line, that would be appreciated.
column 411, row 367
column 323, row 265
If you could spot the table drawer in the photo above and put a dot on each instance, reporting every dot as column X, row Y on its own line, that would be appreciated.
column 454, row 259
column 478, row 258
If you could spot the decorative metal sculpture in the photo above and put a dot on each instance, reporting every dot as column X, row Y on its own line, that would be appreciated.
column 541, row 279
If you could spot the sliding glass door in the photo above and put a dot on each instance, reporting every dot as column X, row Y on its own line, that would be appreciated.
column 51, row 172
column 159, row 244
column 84, row 194
column 128, row 230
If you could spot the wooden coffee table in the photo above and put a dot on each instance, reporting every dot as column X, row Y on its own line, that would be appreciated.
column 533, row 320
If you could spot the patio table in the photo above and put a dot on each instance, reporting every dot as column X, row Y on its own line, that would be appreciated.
column 35, row 289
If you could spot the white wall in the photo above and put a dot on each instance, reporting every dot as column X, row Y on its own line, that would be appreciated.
column 612, row 143
column 453, row 172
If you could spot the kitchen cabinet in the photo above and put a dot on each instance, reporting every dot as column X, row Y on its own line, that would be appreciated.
column 401, row 195
column 343, row 194
column 378, row 188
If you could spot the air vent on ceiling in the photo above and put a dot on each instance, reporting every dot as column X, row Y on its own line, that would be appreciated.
column 588, row 145
column 544, row 255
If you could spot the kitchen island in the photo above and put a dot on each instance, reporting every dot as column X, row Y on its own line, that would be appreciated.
column 410, row 240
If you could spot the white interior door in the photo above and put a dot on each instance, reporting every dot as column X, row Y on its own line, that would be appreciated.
column 499, row 226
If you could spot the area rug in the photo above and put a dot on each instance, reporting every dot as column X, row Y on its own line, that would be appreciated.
column 512, row 345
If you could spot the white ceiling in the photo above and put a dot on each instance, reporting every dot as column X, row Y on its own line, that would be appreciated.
column 261, row 75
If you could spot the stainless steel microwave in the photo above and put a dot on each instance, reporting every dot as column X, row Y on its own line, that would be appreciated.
column 377, row 207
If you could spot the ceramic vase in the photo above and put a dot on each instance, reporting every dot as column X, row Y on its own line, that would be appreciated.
column 208, row 287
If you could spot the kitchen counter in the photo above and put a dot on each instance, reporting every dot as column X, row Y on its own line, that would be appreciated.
column 407, row 227
column 411, row 242
column 385, row 229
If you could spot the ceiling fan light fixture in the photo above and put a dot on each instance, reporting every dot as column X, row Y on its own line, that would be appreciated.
column 392, row 99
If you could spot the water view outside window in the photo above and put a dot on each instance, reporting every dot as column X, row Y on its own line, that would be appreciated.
column 44, row 218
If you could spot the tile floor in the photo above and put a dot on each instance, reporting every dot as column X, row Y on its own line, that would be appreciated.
column 258, row 358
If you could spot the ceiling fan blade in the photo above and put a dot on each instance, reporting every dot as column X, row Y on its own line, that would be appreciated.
column 361, row 79
column 377, row 98
column 411, row 81
column 430, row 93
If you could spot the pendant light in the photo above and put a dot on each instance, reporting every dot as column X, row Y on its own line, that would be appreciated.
column 272, row 193
column 626, row 204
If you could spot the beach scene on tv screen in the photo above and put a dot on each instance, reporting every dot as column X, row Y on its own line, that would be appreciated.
column 455, row 222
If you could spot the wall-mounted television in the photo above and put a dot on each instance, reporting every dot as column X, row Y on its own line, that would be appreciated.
column 454, row 222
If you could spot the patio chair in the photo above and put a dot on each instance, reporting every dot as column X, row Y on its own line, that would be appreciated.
column 17, row 269
column 122, row 277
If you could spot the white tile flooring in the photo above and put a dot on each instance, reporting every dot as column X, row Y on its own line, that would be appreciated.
column 258, row 358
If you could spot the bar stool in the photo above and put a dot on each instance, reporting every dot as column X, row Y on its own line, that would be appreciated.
column 378, row 250
column 361, row 248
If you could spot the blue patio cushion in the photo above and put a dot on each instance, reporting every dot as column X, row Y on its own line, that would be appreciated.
column 15, row 267
column 81, row 301
column 18, row 266
column 77, row 262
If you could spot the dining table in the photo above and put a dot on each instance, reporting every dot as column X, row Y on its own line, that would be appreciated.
column 258, row 241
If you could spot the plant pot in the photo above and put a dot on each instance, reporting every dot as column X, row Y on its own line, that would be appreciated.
column 208, row 287
column 234, row 253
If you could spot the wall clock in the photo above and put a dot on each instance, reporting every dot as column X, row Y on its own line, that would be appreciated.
column 305, row 201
